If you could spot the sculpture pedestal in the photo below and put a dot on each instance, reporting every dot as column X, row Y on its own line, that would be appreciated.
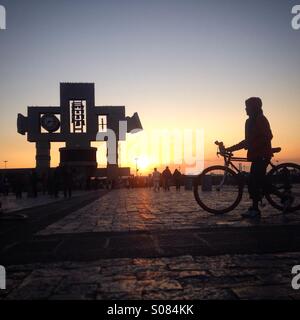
column 82, row 160
column 78, row 157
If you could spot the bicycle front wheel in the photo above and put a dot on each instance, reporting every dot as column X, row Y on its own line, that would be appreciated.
column 285, row 178
column 218, row 189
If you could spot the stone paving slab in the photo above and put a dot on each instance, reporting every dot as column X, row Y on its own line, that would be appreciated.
column 266, row 276
column 143, row 209
column 11, row 205
column 139, row 244
column 38, row 218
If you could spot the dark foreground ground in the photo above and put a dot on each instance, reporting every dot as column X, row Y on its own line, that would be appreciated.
column 135, row 244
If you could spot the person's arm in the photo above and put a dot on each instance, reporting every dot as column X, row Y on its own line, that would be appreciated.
column 238, row 146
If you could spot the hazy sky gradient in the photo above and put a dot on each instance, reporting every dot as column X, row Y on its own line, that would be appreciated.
column 179, row 63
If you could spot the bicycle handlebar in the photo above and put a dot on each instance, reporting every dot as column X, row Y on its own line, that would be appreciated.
column 222, row 149
column 221, row 146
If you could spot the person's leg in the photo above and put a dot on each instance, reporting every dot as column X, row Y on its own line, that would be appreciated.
column 270, row 188
column 252, row 185
column 257, row 181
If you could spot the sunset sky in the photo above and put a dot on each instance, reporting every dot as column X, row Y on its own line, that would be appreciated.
column 181, row 64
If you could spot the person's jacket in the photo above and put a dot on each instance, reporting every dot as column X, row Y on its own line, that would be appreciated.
column 258, row 136
column 167, row 174
column 156, row 176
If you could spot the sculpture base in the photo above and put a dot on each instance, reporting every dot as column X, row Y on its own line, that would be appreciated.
column 78, row 157
column 83, row 161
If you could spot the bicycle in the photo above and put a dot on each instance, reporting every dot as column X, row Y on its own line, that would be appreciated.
column 219, row 189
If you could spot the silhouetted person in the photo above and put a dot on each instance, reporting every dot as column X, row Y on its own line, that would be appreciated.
column 50, row 186
column 177, row 179
column 149, row 181
column 44, row 180
column 5, row 186
column 156, row 180
column 88, row 183
column 166, row 176
column 34, row 183
column 56, row 182
column 18, row 186
column 97, row 182
column 258, row 136
column 67, row 182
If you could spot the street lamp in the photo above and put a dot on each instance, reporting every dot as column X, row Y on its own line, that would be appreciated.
column 136, row 166
column 5, row 162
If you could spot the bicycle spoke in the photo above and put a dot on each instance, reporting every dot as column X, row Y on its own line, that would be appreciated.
column 286, row 180
column 218, row 190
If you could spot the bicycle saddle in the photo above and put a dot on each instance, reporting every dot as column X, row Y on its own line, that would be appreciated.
column 276, row 150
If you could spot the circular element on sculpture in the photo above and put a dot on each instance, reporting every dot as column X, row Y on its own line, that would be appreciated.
column 50, row 122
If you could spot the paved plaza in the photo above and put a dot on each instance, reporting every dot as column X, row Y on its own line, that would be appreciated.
column 137, row 244
column 184, row 277
column 143, row 209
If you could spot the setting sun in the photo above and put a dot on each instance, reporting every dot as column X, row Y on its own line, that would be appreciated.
column 143, row 163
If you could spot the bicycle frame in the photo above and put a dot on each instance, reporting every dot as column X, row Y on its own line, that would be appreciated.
column 228, row 162
column 283, row 200
column 229, row 159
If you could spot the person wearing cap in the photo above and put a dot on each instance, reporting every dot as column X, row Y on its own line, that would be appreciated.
column 257, row 142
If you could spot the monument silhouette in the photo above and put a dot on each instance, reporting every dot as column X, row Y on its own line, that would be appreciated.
column 77, row 121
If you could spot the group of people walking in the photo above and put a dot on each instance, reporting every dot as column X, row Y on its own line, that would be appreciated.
column 164, row 179
column 50, row 182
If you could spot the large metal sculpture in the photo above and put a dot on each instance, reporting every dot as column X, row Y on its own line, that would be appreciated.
column 77, row 122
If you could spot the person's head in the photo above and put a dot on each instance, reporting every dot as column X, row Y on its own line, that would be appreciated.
column 253, row 106
column 167, row 168
column 155, row 169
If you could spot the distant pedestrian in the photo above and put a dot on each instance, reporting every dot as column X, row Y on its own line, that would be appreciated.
column 67, row 182
column 18, row 185
column 156, row 179
column 5, row 186
column 44, row 181
column 149, row 181
column 34, row 183
column 166, row 177
column 56, row 182
column 177, row 179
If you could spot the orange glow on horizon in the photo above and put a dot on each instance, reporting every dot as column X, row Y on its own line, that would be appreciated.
column 227, row 126
column 22, row 154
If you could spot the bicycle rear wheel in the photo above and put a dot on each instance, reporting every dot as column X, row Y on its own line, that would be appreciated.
column 285, row 178
column 218, row 189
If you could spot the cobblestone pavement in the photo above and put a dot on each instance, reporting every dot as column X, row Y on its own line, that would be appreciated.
column 184, row 277
column 142, row 209
column 151, row 220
